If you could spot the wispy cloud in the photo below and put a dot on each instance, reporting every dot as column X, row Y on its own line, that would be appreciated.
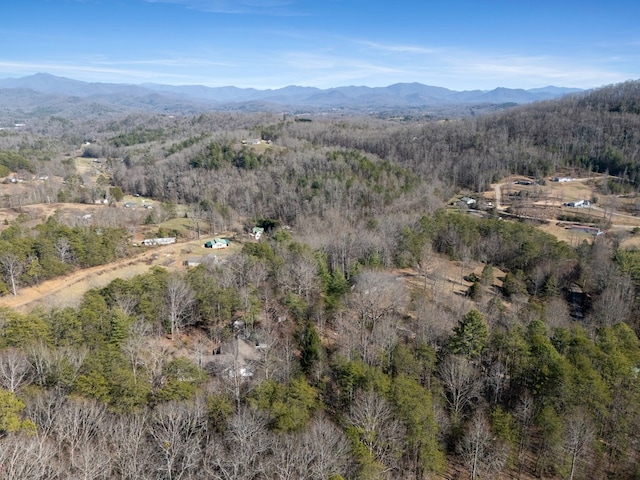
column 458, row 67
column 526, row 71
column 358, row 67
column 92, row 73
column 181, row 62
column 239, row 7
column 412, row 49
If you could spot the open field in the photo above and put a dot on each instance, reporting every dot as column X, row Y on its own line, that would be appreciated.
column 547, row 202
column 68, row 290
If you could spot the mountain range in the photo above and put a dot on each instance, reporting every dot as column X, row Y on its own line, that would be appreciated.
column 43, row 93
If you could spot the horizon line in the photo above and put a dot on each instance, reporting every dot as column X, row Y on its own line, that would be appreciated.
column 296, row 85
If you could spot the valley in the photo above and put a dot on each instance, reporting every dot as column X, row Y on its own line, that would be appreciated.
column 383, row 296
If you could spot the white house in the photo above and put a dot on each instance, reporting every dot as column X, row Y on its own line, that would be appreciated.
column 468, row 201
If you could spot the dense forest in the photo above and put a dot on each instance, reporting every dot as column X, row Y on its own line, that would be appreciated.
column 331, row 348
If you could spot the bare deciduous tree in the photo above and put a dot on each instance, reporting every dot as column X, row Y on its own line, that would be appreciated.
column 126, row 302
column 579, row 433
column 178, row 301
column 78, row 428
column 134, row 345
column 433, row 323
column 299, row 274
column 460, row 381
column 128, row 443
column 63, row 249
column 376, row 299
column 614, row 303
column 329, row 448
column 60, row 365
column 322, row 451
column 91, row 461
column 483, row 453
column 557, row 313
column 236, row 377
column 177, row 430
column 273, row 361
column 26, row 457
column 12, row 266
column 14, row 369
column 524, row 413
column 43, row 409
column 243, row 452
column 379, row 432
column 497, row 380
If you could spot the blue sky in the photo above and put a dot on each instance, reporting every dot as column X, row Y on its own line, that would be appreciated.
column 461, row 45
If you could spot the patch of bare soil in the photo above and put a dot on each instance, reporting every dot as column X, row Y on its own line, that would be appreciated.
column 37, row 213
column 447, row 280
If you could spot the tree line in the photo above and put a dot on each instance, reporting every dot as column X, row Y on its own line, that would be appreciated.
column 51, row 249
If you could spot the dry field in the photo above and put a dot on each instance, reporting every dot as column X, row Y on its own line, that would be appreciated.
column 35, row 214
column 546, row 202
column 68, row 291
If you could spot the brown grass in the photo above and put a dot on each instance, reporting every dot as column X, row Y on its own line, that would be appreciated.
column 68, row 290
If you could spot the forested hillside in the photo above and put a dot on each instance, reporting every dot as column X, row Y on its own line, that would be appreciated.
column 375, row 330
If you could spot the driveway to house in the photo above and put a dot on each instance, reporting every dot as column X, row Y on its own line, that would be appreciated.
column 67, row 291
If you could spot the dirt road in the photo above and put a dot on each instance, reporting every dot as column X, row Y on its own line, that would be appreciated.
column 67, row 291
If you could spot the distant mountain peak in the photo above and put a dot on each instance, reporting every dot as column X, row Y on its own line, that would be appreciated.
column 398, row 95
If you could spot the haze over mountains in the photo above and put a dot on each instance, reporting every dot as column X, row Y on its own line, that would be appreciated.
column 43, row 93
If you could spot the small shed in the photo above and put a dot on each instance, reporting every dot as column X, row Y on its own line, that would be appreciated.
column 192, row 262
column 257, row 232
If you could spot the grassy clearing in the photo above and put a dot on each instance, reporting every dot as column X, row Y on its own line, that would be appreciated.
column 68, row 291
column 182, row 225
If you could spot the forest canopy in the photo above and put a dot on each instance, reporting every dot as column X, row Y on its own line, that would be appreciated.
column 367, row 323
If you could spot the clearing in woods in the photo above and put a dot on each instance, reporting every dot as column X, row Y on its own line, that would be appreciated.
column 67, row 291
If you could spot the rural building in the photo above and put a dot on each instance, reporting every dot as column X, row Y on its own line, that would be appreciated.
column 192, row 262
column 578, row 203
column 240, row 372
column 217, row 243
column 587, row 229
column 466, row 202
column 159, row 241
column 257, row 232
